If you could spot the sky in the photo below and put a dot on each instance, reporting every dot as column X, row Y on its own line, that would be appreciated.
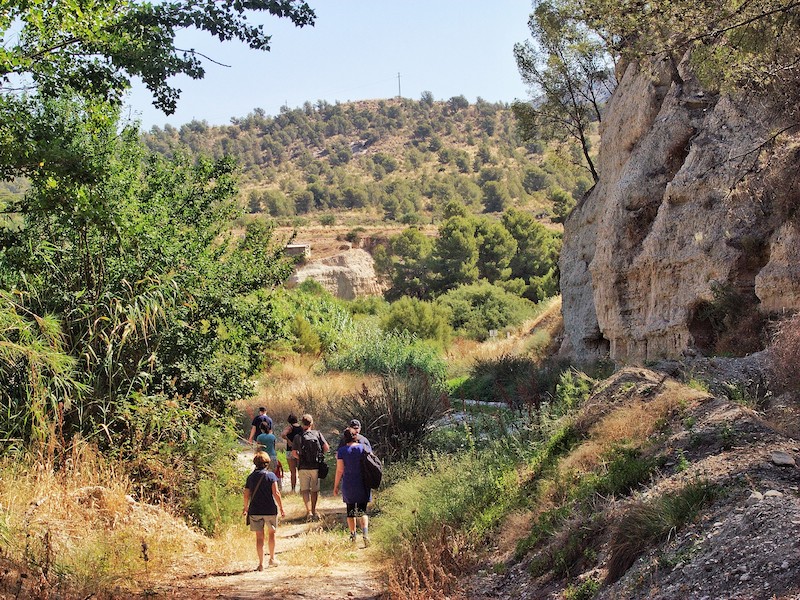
column 354, row 52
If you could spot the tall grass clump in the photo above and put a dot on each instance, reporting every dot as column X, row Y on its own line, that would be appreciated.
column 371, row 350
column 397, row 417
column 647, row 523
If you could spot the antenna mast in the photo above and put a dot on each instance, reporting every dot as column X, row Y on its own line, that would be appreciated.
column 399, row 95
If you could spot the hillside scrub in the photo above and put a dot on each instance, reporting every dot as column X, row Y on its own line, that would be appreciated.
column 401, row 158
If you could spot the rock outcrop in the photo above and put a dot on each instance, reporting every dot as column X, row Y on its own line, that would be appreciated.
column 348, row 275
column 698, row 192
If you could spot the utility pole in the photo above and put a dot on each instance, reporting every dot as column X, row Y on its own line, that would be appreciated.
column 399, row 95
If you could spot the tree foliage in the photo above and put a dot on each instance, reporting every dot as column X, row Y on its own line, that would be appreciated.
column 570, row 75
column 94, row 48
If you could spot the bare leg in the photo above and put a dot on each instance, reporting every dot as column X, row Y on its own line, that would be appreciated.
column 351, row 525
column 260, row 549
column 365, row 528
column 306, row 495
column 314, row 496
column 271, row 545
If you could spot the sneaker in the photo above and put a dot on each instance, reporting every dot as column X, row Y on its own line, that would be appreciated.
column 260, row 568
column 314, row 517
column 366, row 542
column 353, row 538
column 274, row 563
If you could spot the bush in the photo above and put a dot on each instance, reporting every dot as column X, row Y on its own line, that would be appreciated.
column 427, row 320
column 475, row 309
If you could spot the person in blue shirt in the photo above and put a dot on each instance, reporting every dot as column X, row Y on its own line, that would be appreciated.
column 354, row 493
column 255, row 428
column 266, row 443
column 262, row 501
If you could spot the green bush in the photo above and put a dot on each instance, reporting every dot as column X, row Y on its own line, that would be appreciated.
column 477, row 308
column 426, row 320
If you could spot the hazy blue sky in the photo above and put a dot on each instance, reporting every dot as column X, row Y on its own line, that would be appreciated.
column 355, row 51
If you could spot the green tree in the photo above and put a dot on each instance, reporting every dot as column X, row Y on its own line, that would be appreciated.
column 411, row 265
column 495, row 196
column 537, row 252
column 496, row 248
column 95, row 48
column 570, row 72
column 455, row 253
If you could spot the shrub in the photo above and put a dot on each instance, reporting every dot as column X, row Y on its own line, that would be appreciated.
column 427, row 320
column 480, row 307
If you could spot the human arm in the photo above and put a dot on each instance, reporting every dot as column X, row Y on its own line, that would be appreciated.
column 338, row 478
column 276, row 495
column 246, row 501
column 325, row 446
column 252, row 434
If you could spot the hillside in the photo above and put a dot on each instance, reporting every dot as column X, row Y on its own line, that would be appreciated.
column 395, row 159
column 673, row 491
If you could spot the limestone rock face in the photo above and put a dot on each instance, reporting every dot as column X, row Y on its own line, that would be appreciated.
column 348, row 275
column 696, row 191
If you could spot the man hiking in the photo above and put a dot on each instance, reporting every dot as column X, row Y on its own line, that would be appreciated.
column 308, row 447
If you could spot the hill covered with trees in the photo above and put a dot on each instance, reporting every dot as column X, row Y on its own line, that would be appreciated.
column 400, row 159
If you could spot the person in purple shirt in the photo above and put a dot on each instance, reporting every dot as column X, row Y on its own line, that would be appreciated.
column 354, row 493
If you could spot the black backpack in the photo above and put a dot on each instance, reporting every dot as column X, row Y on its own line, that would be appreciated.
column 371, row 470
column 310, row 450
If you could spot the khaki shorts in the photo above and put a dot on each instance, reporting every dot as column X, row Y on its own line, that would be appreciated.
column 308, row 479
column 258, row 522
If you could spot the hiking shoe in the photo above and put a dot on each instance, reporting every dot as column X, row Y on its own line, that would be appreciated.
column 260, row 568
column 366, row 542
column 353, row 537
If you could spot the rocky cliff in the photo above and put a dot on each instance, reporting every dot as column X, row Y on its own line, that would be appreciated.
column 347, row 275
column 696, row 206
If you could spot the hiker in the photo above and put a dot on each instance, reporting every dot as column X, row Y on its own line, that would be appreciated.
column 255, row 428
column 355, row 424
column 292, row 429
column 266, row 443
column 262, row 501
column 307, row 447
column 354, row 493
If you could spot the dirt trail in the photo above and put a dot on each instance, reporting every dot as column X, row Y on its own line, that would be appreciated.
column 317, row 562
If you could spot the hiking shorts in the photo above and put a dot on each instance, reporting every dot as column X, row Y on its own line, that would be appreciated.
column 308, row 479
column 259, row 522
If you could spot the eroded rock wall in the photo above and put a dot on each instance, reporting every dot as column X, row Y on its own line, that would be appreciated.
column 695, row 190
column 348, row 275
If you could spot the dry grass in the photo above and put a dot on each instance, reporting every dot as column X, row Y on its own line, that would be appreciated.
column 80, row 524
column 298, row 384
column 529, row 338
column 632, row 423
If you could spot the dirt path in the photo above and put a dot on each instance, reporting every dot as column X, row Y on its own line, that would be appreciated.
column 317, row 561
